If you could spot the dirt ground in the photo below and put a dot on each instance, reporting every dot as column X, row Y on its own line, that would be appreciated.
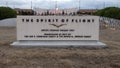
column 36, row 57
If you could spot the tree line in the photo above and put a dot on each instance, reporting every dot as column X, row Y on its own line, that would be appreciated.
column 6, row 12
column 111, row 12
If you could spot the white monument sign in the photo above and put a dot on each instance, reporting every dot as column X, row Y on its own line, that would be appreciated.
column 57, row 31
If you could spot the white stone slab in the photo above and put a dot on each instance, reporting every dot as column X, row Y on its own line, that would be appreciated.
column 58, row 31
column 59, row 43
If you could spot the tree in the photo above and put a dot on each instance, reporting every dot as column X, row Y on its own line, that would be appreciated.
column 78, row 12
column 47, row 13
column 22, row 12
column 112, row 12
column 6, row 12
column 74, row 13
column 63, row 13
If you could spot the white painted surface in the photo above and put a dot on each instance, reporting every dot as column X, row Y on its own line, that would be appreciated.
column 59, row 43
column 8, row 22
column 34, row 28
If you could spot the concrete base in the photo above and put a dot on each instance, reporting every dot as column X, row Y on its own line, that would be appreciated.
column 59, row 43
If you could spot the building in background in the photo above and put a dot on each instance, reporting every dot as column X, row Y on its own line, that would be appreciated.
column 87, row 11
column 40, row 11
column 57, row 11
column 69, row 11
column 24, row 11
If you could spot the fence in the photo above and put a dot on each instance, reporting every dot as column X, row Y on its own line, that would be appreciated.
column 109, row 23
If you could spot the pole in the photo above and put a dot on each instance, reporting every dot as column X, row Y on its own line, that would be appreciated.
column 104, row 5
column 56, row 7
column 79, row 4
column 14, row 6
column 6, row 4
column 31, row 5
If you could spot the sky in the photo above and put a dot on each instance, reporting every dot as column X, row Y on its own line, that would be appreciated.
column 62, row 4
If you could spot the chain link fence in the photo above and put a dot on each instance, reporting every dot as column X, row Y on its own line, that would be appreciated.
column 109, row 23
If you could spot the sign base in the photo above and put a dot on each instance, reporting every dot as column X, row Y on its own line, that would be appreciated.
column 59, row 43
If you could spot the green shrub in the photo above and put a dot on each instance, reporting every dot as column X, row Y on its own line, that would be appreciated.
column 6, row 12
column 112, row 12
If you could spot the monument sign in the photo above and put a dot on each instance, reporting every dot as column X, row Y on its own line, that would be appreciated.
column 58, row 31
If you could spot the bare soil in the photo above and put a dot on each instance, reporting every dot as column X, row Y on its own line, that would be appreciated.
column 38, row 57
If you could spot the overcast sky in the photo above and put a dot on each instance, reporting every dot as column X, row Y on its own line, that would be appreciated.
column 50, row 4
